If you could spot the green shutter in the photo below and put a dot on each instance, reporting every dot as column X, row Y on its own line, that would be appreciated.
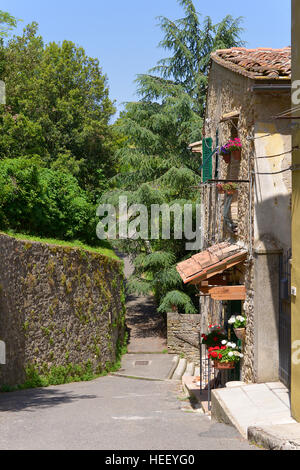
column 207, row 154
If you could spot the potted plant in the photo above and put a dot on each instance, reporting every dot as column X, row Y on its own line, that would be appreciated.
column 239, row 325
column 214, row 337
column 225, row 154
column 225, row 356
column 235, row 148
column 230, row 188
column 220, row 188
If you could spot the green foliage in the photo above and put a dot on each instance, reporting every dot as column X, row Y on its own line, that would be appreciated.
column 191, row 43
column 7, row 23
column 45, row 202
column 58, row 107
column 104, row 247
column 155, row 164
column 177, row 299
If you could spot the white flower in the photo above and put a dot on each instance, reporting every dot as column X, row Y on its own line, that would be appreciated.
column 233, row 345
column 230, row 354
column 232, row 320
column 224, row 342
column 240, row 318
column 241, row 355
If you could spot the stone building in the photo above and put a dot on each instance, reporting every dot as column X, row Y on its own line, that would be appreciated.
column 248, row 97
column 295, row 375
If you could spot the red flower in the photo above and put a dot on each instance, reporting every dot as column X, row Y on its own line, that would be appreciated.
column 220, row 356
column 214, row 354
column 215, row 339
column 223, row 347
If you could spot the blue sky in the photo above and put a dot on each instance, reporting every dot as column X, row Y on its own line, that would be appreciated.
column 124, row 35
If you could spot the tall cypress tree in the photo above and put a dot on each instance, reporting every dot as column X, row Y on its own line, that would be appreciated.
column 156, row 165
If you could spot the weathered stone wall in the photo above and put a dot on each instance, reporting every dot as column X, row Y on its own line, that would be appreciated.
column 59, row 305
column 183, row 335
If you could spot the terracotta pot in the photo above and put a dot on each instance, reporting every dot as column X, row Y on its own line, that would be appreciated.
column 236, row 154
column 224, row 365
column 227, row 158
column 221, row 190
column 240, row 333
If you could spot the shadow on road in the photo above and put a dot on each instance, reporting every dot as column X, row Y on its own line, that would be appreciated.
column 38, row 398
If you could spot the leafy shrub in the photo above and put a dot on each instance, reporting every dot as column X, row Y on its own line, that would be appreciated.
column 43, row 201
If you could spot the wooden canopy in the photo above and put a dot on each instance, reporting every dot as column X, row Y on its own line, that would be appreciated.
column 207, row 270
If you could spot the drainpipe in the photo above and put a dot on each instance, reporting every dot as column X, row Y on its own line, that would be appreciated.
column 272, row 87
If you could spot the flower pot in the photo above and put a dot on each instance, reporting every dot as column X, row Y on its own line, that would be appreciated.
column 231, row 192
column 220, row 189
column 236, row 154
column 240, row 333
column 226, row 158
column 224, row 365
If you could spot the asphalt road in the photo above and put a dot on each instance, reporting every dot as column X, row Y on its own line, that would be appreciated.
column 110, row 413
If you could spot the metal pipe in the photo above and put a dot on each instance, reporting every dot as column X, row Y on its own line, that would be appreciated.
column 272, row 87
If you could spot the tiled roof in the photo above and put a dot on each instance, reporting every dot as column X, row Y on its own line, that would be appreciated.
column 210, row 262
column 256, row 63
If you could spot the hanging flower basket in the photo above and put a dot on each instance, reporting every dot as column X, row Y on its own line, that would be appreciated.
column 239, row 326
column 214, row 337
column 224, row 365
column 225, row 154
column 240, row 333
column 236, row 154
column 220, row 189
column 227, row 158
column 225, row 356
column 227, row 188
column 235, row 148
column 230, row 188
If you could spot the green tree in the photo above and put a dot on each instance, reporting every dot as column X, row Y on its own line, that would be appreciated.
column 45, row 202
column 156, row 165
column 191, row 43
column 7, row 23
column 58, row 107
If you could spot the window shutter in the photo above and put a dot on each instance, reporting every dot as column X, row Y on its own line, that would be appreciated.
column 207, row 159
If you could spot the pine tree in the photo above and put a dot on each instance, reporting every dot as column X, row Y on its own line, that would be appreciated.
column 156, row 165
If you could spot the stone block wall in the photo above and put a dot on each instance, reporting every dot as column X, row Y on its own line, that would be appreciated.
column 59, row 305
column 183, row 335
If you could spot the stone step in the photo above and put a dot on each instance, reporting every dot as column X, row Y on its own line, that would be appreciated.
column 190, row 370
column 180, row 369
column 173, row 368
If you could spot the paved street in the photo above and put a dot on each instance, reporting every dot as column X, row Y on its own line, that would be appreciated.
column 112, row 413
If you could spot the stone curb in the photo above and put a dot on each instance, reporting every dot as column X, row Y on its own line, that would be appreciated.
column 268, row 441
column 173, row 368
column 136, row 377
column 180, row 369
column 190, row 369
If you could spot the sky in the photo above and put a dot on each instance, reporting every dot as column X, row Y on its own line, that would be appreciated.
column 124, row 35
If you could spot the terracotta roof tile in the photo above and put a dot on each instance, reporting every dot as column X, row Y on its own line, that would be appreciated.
column 256, row 63
column 214, row 259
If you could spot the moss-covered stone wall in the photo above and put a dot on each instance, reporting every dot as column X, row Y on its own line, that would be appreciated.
column 59, row 306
